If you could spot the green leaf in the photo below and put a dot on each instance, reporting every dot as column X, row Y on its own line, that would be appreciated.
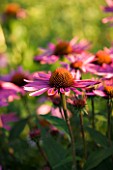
column 98, row 137
column 97, row 157
column 55, row 152
column 17, row 128
column 57, row 122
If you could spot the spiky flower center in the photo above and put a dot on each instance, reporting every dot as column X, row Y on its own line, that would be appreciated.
column 103, row 57
column 12, row 9
column 61, row 78
column 18, row 79
column 79, row 103
column 76, row 64
column 63, row 48
column 109, row 91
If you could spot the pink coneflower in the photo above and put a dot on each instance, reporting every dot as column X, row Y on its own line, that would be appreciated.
column 6, row 119
column 62, row 48
column 108, row 9
column 105, row 89
column 105, row 71
column 8, row 92
column 14, row 10
column 3, row 60
column 59, row 81
column 17, row 77
column 79, row 63
column 103, row 59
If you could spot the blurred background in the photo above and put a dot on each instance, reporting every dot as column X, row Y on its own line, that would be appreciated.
column 48, row 20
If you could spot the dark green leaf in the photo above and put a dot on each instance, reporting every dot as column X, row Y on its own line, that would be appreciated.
column 55, row 152
column 97, row 157
column 57, row 122
column 17, row 128
column 98, row 137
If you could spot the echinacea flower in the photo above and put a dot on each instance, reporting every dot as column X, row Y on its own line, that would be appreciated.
column 3, row 60
column 6, row 119
column 59, row 81
column 79, row 103
column 105, row 88
column 14, row 10
column 105, row 71
column 108, row 9
column 8, row 92
column 62, row 48
column 103, row 58
column 79, row 63
column 17, row 77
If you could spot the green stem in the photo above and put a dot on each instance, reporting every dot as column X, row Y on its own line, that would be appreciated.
column 93, row 112
column 109, row 120
column 83, row 134
column 64, row 105
column 43, row 155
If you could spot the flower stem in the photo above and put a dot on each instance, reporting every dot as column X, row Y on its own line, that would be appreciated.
column 93, row 112
column 64, row 105
column 109, row 107
column 83, row 134
column 43, row 155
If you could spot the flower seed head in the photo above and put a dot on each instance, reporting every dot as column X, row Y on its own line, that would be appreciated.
column 18, row 79
column 63, row 48
column 61, row 78
column 109, row 90
column 76, row 64
column 103, row 57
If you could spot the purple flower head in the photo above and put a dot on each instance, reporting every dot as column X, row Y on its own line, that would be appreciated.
column 17, row 77
column 8, row 92
column 108, row 9
column 13, row 10
column 59, row 81
column 105, row 89
column 3, row 60
column 79, row 63
column 103, row 59
column 6, row 119
column 106, row 71
column 62, row 48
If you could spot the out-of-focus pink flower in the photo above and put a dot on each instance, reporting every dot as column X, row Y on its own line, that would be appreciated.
column 59, row 81
column 8, row 92
column 14, row 10
column 108, row 9
column 6, row 119
column 79, row 63
column 103, row 60
column 17, row 77
column 3, row 60
column 105, row 71
column 105, row 89
column 62, row 48
column 43, row 109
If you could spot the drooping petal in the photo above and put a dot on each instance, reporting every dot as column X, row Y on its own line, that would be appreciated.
column 39, row 92
column 52, row 91
column 62, row 90
column 99, row 93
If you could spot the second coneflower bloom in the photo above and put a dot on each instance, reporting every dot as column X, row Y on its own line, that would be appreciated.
column 59, row 81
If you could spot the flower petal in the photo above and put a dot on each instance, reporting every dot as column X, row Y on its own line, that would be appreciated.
column 39, row 92
column 52, row 91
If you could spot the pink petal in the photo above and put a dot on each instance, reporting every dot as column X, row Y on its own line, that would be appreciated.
column 62, row 90
column 52, row 91
column 39, row 92
column 99, row 93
